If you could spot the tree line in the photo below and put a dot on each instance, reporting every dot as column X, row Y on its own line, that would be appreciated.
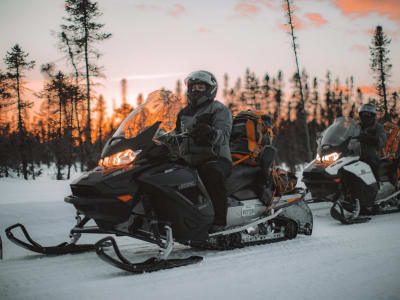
column 72, row 125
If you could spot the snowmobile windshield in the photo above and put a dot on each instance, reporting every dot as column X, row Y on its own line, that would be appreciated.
column 160, row 106
column 342, row 129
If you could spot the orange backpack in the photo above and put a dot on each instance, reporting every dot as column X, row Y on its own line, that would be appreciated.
column 251, row 131
column 392, row 144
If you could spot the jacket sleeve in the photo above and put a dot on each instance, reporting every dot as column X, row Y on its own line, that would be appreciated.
column 381, row 134
column 178, row 123
column 222, row 124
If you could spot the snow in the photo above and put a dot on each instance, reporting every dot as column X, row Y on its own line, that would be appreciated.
column 360, row 261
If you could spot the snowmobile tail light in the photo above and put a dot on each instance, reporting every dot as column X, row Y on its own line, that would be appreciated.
column 119, row 159
column 125, row 198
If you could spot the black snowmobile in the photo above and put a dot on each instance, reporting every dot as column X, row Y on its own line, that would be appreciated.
column 338, row 175
column 144, row 190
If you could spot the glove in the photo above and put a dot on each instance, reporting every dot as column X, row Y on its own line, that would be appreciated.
column 202, row 134
column 368, row 139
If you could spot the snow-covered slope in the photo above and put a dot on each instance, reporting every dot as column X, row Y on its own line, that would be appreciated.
column 337, row 262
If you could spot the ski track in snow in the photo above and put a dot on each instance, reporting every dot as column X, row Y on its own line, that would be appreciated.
column 360, row 261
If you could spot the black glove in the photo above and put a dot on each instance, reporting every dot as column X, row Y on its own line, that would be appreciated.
column 202, row 134
column 368, row 139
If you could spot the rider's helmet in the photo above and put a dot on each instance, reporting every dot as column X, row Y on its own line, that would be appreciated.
column 197, row 96
column 367, row 113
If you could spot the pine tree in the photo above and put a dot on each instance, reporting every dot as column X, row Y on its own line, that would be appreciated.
column 17, row 64
column 178, row 89
column 85, row 32
column 301, row 106
column 380, row 65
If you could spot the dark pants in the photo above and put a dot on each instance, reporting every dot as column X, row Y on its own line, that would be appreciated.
column 213, row 174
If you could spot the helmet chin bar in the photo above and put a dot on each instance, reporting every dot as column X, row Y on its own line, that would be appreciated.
column 197, row 102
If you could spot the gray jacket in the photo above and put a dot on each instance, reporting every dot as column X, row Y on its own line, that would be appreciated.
column 379, row 132
column 219, row 117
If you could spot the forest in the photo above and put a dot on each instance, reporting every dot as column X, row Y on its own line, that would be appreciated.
column 72, row 124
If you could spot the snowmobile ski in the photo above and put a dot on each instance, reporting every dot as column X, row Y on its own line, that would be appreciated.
column 63, row 248
column 150, row 265
column 350, row 218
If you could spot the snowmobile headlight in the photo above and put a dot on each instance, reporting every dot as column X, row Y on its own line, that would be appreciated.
column 329, row 158
column 119, row 159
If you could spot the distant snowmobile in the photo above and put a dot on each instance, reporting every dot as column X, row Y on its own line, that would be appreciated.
column 142, row 189
column 338, row 175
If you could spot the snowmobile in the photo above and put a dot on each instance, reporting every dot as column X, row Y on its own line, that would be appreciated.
column 338, row 175
column 144, row 190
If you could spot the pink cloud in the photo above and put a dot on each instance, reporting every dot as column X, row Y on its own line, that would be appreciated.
column 316, row 19
column 297, row 22
column 267, row 3
column 359, row 48
column 203, row 30
column 246, row 10
column 360, row 8
column 178, row 10
column 146, row 6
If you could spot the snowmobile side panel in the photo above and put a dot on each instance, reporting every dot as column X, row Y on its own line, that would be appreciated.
column 340, row 163
column 321, row 184
column 179, row 197
column 244, row 212
column 361, row 170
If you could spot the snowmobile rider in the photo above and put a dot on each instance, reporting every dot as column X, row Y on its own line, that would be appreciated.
column 372, row 138
column 209, row 124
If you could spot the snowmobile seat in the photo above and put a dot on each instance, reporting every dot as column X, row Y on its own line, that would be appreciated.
column 242, row 175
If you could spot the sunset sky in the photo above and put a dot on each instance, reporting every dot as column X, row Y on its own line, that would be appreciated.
column 156, row 42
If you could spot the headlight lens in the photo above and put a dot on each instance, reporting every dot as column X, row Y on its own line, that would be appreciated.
column 330, row 158
column 119, row 159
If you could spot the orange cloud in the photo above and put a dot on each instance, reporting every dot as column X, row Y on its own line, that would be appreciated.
column 359, row 48
column 297, row 22
column 360, row 8
column 246, row 10
column 203, row 30
column 316, row 19
column 367, row 89
column 178, row 10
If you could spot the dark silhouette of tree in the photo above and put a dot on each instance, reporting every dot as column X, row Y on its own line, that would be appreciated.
column 178, row 89
column 329, row 100
column 139, row 100
column 100, row 110
column 380, row 65
column 17, row 63
column 85, row 32
column 301, row 106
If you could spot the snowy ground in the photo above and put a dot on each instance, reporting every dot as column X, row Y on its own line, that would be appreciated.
column 337, row 262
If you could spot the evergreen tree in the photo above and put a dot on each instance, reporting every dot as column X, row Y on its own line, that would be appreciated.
column 17, row 63
column 380, row 65
column 85, row 32
column 178, row 89
column 301, row 105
